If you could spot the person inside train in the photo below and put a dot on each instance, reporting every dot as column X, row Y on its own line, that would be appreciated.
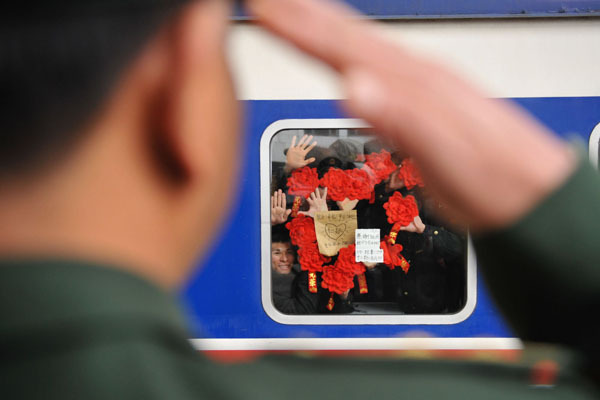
column 433, row 281
column 118, row 149
column 293, row 298
column 290, row 290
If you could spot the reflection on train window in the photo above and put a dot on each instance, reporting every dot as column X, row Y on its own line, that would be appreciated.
column 353, row 230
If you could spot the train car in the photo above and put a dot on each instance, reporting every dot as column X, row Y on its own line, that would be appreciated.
column 539, row 54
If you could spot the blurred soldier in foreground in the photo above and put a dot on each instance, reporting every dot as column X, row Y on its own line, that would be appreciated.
column 117, row 155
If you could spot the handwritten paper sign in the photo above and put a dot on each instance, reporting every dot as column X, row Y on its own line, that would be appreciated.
column 335, row 229
column 368, row 246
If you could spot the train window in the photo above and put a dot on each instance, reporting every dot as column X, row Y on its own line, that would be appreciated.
column 350, row 234
column 594, row 146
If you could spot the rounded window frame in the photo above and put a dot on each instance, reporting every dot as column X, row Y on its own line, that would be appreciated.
column 338, row 319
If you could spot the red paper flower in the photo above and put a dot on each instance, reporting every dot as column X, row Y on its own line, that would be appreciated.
column 379, row 166
column 303, row 181
column 346, row 261
column 401, row 210
column 336, row 182
column 392, row 256
column 302, row 230
column 359, row 185
column 353, row 184
column 310, row 258
column 339, row 277
column 410, row 174
column 336, row 280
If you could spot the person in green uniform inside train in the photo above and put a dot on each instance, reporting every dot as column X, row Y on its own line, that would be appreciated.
column 119, row 137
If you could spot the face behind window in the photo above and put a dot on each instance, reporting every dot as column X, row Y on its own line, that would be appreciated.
column 282, row 257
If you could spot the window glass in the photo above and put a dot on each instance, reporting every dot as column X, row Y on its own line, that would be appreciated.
column 354, row 231
column 594, row 146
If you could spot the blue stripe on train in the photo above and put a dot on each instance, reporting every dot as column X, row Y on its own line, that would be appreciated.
column 224, row 300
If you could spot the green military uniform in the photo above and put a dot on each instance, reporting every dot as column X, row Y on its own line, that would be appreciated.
column 72, row 330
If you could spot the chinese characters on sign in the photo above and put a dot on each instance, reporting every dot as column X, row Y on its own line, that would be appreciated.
column 367, row 246
column 335, row 230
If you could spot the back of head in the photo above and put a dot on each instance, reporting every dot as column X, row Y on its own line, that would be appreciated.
column 279, row 234
column 59, row 61
column 110, row 104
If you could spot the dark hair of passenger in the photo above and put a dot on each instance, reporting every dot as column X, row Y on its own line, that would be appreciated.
column 58, row 65
column 280, row 234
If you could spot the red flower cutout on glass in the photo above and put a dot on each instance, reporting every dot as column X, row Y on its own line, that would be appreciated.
column 310, row 258
column 401, row 210
column 410, row 174
column 336, row 280
column 359, row 185
column 346, row 261
column 379, row 166
column 303, row 181
column 339, row 277
column 353, row 184
column 302, row 230
column 336, row 182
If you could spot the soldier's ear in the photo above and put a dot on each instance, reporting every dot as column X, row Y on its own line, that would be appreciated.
column 197, row 89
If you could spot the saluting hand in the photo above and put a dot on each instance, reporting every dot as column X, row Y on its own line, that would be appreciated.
column 484, row 158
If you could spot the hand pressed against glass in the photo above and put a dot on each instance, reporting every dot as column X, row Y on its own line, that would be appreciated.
column 279, row 213
column 296, row 154
column 317, row 202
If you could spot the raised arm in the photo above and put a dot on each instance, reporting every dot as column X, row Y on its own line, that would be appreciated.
column 496, row 168
column 484, row 158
